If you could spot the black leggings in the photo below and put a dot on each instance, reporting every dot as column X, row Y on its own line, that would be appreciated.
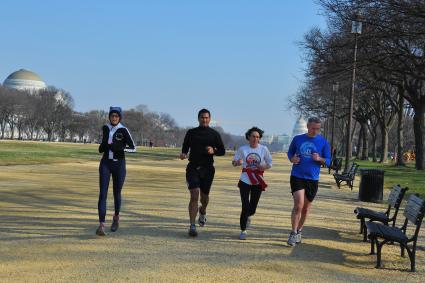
column 249, row 205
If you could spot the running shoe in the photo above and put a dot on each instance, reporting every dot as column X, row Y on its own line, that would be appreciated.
column 243, row 235
column 101, row 230
column 299, row 236
column 115, row 224
column 292, row 240
column 202, row 220
column 192, row 230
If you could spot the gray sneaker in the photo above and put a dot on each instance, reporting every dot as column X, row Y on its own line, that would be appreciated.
column 292, row 240
column 298, row 237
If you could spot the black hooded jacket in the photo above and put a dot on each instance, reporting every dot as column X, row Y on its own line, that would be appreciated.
column 121, row 141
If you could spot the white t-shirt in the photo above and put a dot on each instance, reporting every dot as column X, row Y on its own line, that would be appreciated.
column 251, row 158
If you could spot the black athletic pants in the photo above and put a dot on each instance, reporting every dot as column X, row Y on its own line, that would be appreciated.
column 250, row 195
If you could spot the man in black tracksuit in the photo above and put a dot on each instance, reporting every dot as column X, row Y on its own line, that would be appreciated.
column 115, row 140
column 203, row 142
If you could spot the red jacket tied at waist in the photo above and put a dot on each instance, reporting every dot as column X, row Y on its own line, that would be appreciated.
column 256, row 177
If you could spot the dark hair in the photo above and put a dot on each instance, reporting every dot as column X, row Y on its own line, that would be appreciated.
column 254, row 129
column 202, row 111
column 313, row 120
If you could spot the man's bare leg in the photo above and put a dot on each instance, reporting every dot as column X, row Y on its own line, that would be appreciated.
column 204, row 203
column 297, row 209
column 193, row 204
column 305, row 211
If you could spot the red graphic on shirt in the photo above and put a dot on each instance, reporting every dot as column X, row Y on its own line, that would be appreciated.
column 253, row 160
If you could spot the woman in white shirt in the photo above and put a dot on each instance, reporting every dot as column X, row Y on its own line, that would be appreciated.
column 255, row 158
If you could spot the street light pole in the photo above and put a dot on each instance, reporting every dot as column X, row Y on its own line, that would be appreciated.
column 335, row 88
column 356, row 28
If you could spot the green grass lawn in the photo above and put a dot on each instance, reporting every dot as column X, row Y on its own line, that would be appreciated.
column 27, row 152
column 405, row 176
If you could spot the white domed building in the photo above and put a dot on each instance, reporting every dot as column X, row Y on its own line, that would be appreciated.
column 24, row 80
column 300, row 127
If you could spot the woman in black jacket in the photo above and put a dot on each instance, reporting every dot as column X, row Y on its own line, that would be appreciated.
column 115, row 140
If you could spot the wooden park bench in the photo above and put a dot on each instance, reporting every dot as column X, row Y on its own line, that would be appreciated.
column 394, row 202
column 414, row 213
column 336, row 165
column 347, row 177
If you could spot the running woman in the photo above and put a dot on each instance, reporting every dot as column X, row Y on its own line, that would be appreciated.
column 203, row 143
column 307, row 152
column 115, row 140
column 255, row 159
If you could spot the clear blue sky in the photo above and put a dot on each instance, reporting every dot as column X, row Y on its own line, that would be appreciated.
column 238, row 58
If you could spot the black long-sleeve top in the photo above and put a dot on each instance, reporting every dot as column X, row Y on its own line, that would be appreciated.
column 121, row 141
column 197, row 140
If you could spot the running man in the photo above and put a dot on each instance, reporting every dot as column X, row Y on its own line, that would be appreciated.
column 115, row 140
column 307, row 152
column 255, row 158
column 203, row 143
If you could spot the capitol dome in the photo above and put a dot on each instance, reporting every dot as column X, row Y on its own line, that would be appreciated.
column 24, row 80
column 300, row 127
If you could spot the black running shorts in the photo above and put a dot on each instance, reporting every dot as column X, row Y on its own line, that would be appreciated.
column 310, row 187
column 200, row 177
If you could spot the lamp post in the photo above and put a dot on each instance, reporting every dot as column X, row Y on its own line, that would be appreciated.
column 335, row 88
column 356, row 29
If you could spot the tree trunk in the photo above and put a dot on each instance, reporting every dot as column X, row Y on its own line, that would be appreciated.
column 365, row 147
column 359, row 142
column 12, row 131
column 374, row 136
column 49, row 135
column 419, row 129
column 3, row 127
column 384, row 144
column 400, row 124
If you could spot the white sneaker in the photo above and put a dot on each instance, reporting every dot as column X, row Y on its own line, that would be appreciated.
column 292, row 240
column 202, row 220
column 243, row 235
column 298, row 237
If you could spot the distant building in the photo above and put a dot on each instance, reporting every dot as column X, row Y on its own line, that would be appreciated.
column 267, row 139
column 282, row 142
column 300, row 127
column 24, row 80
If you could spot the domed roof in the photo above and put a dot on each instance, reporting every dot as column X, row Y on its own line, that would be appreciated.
column 23, row 74
column 300, row 127
column 24, row 80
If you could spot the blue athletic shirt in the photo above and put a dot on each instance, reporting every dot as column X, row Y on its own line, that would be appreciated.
column 304, row 146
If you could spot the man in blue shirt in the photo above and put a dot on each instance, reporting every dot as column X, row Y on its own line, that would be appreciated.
column 307, row 152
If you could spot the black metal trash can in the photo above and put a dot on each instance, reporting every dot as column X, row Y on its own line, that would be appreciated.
column 371, row 185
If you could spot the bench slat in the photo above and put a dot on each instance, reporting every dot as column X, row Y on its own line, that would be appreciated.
column 415, row 209
column 394, row 196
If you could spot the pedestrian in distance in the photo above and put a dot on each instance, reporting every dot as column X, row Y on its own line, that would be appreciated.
column 116, row 139
column 255, row 158
column 307, row 153
column 200, row 144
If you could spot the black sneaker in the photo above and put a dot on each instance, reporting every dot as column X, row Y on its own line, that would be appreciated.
column 115, row 224
column 192, row 230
